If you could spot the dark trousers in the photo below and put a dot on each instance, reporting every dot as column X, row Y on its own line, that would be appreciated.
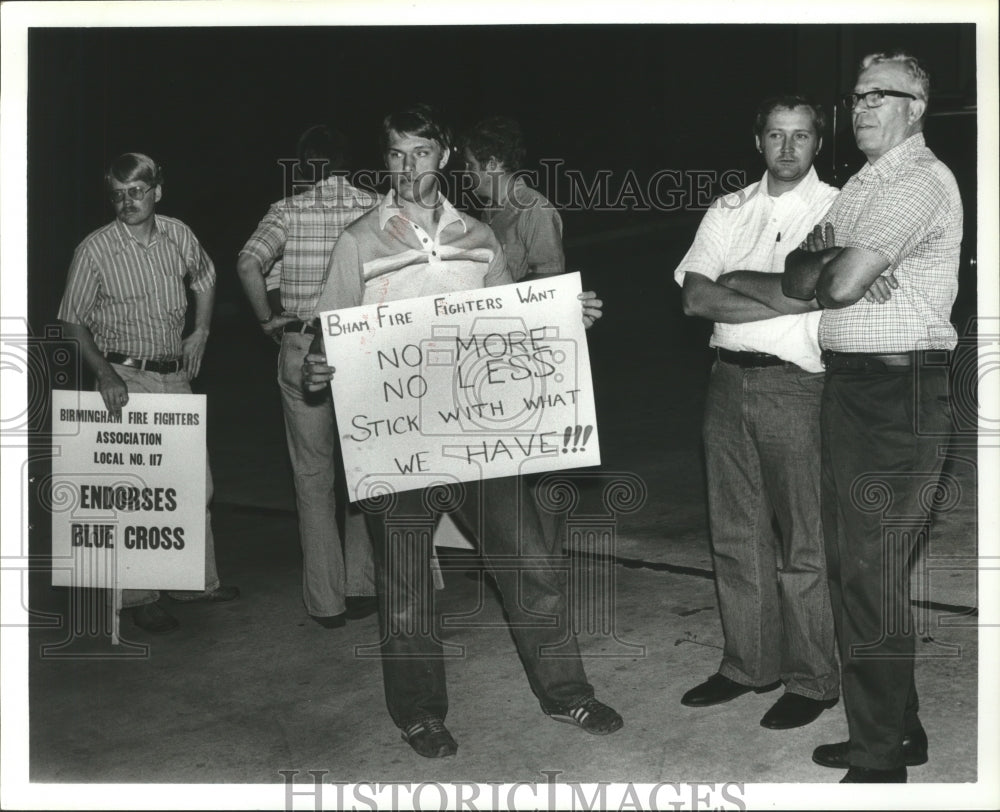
column 883, row 434
column 532, row 586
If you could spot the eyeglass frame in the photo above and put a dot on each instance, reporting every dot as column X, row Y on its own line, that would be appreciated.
column 118, row 195
column 850, row 100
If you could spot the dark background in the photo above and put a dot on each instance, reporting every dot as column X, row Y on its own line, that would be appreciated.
column 218, row 108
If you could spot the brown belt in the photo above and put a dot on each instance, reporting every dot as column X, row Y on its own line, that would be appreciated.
column 161, row 367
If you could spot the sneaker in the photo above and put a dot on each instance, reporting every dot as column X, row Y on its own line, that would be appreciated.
column 153, row 618
column 593, row 716
column 430, row 738
column 220, row 594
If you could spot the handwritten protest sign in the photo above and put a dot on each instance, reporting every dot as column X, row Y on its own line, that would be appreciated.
column 462, row 386
column 128, row 496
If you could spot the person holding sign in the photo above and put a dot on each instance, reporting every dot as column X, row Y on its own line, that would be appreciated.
column 416, row 243
column 761, row 429
column 299, row 233
column 124, row 305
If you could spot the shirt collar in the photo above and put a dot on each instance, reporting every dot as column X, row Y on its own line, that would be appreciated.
column 803, row 189
column 388, row 209
column 125, row 236
column 898, row 155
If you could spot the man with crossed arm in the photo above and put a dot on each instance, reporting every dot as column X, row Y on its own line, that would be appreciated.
column 761, row 429
column 886, row 410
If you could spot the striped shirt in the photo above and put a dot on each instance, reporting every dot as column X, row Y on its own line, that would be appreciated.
column 530, row 230
column 383, row 257
column 906, row 208
column 131, row 296
column 750, row 230
column 299, row 232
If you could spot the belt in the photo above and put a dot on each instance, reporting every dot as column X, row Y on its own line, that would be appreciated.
column 297, row 326
column 162, row 367
column 749, row 359
column 868, row 361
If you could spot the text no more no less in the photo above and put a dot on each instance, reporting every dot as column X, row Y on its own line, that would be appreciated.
column 463, row 386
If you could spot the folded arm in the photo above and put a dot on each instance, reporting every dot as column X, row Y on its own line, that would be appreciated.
column 711, row 300
column 766, row 288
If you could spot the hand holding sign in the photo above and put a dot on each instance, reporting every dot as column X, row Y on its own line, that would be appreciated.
column 469, row 385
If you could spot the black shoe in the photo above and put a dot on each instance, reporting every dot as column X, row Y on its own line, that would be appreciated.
column 153, row 618
column 869, row 775
column 221, row 594
column 795, row 710
column 330, row 621
column 835, row 755
column 718, row 689
column 359, row 606
column 430, row 738
column 590, row 714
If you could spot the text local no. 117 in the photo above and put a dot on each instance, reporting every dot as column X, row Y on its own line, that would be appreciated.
column 128, row 495
column 462, row 386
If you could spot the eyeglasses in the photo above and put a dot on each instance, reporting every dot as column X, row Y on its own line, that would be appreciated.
column 133, row 192
column 873, row 98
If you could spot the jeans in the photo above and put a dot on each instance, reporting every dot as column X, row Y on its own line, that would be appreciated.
column 176, row 383
column 762, row 454
column 329, row 572
column 882, row 433
column 514, row 550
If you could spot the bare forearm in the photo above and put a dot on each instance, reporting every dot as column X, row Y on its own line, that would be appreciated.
column 92, row 356
column 251, row 275
column 716, row 302
column 766, row 289
column 204, row 301
column 802, row 272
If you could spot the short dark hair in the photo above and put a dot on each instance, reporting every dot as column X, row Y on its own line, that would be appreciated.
column 134, row 166
column 324, row 144
column 419, row 119
column 788, row 101
column 497, row 137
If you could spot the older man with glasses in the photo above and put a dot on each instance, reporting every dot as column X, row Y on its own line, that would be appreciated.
column 896, row 225
column 124, row 304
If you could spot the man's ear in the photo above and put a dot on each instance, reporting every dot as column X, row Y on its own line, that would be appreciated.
column 760, row 149
column 917, row 109
column 445, row 155
column 819, row 145
column 158, row 193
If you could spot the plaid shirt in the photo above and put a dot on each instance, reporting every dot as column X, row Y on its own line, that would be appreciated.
column 905, row 207
column 131, row 296
column 300, row 233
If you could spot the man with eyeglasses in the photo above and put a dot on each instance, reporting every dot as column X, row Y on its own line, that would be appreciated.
column 124, row 304
column 299, row 233
column 898, row 224
column 761, row 428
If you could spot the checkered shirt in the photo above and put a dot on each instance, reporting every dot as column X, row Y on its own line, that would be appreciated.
column 300, row 232
column 905, row 207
